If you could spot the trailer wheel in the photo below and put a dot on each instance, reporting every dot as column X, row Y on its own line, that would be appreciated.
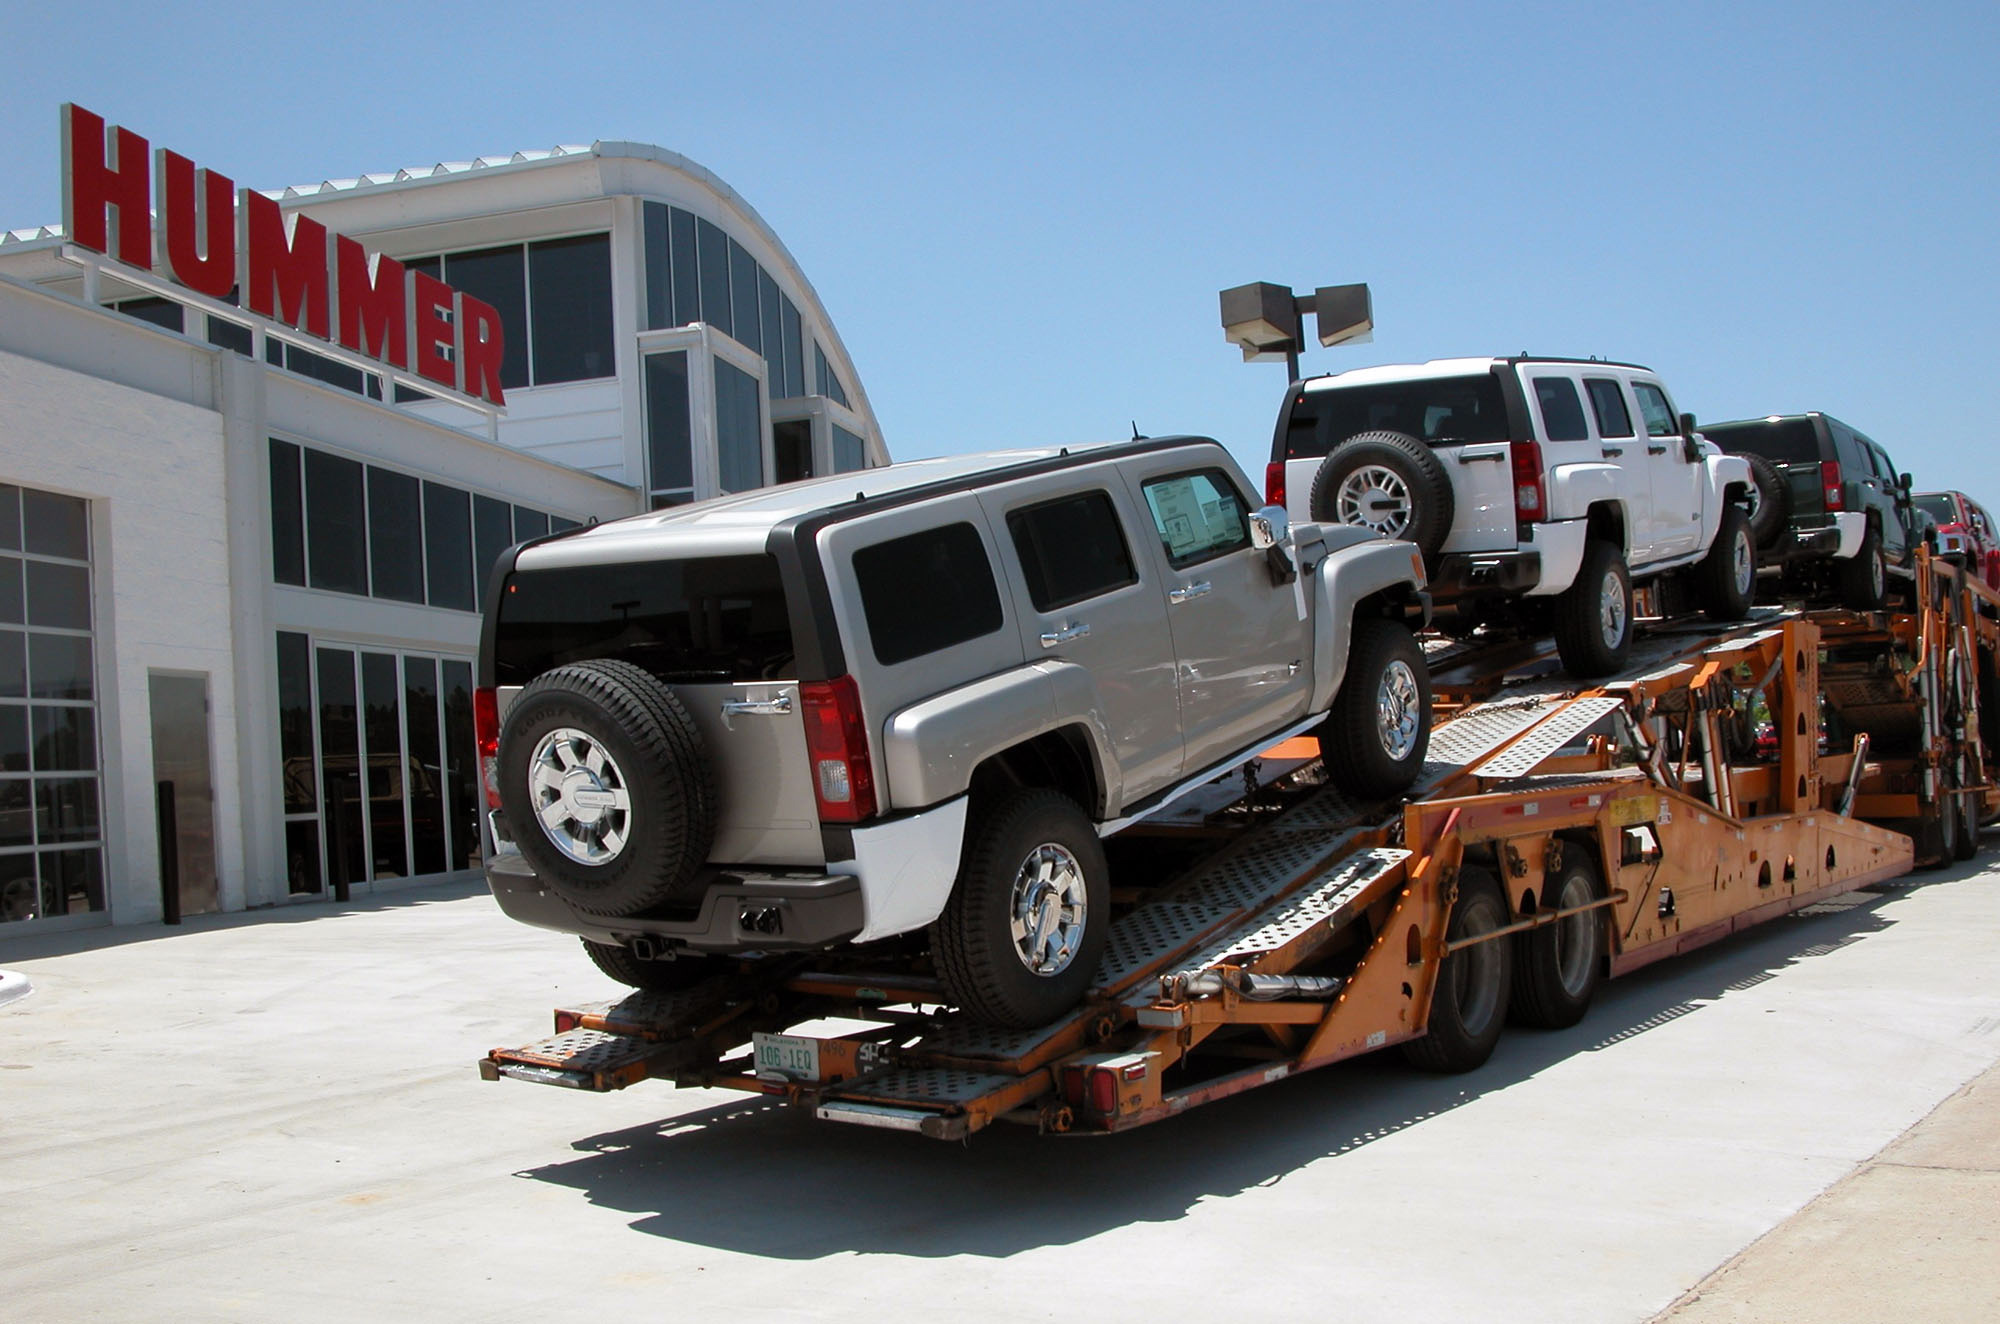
column 1594, row 614
column 1389, row 482
column 1018, row 942
column 1557, row 968
column 682, row 972
column 1727, row 577
column 1469, row 1005
column 1374, row 737
column 1864, row 578
column 608, row 788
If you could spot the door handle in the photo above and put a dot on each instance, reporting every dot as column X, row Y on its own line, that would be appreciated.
column 1656, row 450
column 776, row 707
column 1470, row 457
column 1062, row 634
column 1189, row 592
column 1610, row 451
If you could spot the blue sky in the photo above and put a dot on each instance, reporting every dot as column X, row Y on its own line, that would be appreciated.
column 1019, row 215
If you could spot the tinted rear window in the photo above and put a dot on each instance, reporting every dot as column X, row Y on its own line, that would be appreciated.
column 710, row 620
column 926, row 591
column 1780, row 440
column 1443, row 411
column 1071, row 549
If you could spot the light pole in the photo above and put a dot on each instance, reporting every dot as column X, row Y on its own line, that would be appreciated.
column 1264, row 320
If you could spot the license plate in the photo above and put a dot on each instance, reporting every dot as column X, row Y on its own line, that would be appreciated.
column 786, row 1056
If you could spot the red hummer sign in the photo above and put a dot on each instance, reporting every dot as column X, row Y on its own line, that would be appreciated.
column 213, row 238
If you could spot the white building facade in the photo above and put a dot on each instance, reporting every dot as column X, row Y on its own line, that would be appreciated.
column 240, row 575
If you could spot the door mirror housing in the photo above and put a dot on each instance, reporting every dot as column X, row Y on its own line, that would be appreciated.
column 1903, row 481
column 1269, row 526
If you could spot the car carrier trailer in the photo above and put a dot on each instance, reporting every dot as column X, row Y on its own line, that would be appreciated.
column 1560, row 834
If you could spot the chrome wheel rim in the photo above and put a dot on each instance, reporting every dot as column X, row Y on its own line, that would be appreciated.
column 1576, row 952
column 581, row 798
column 1742, row 564
column 1611, row 609
column 1048, row 909
column 1375, row 497
column 1475, row 978
column 1397, row 701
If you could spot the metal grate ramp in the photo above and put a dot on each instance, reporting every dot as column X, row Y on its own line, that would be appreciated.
column 577, row 1059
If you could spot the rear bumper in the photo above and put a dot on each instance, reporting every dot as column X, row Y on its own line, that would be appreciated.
column 1543, row 565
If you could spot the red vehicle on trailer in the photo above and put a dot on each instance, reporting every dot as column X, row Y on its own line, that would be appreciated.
column 1966, row 533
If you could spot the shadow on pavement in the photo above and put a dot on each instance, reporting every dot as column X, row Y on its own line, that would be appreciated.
column 763, row 1178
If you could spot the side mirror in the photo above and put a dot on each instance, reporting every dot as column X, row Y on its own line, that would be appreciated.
column 1903, row 481
column 1687, row 425
column 1269, row 526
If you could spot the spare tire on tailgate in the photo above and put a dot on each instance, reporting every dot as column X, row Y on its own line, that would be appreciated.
column 607, row 788
column 1389, row 482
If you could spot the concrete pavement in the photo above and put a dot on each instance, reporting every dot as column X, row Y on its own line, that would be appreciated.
column 271, row 1116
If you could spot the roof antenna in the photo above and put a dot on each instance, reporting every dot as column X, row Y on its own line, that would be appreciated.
column 1135, row 431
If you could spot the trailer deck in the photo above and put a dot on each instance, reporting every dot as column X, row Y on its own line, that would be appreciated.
column 1705, row 787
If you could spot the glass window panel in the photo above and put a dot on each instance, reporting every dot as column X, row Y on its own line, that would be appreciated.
column 492, row 534
column 687, row 269
column 336, row 524
column 230, row 335
column 791, row 446
column 55, row 525
column 65, row 739
column 66, row 810
column 557, row 524
column 423, row 768
column 654, row 228
column 295, row 723
column 381, row 694
column 669, row 435
column 1659, row 414
column 323, row 369
column 288, row 515
column 774, row 339
column 13, row 739
column 1607, row 401
column 302, row 857
column 461, row 788
column 739, row 429
column 72, row 881
column 395, row 535
column 58, row 667
column 743, row 298
column 1198, row 517
column 826, row 377
column 570, row 281
column 158, row 311
column 17, row 814
column 274, row 352
column 13, row 665
column 529, row 523
column 795, row 356
column 20, row 888
column 714, row 248
column 58, row 595
column 13, row 605
column 926, row 591
column 498, row 276
column 340, row 760
column 662, row 500
column 1071, row 549
column 1562, row 411
column 849, row 451
column 448, row 546
column 10, row 517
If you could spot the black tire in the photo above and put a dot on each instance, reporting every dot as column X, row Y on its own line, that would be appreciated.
column 979, row 957
column 632, row 725
column 1421, row 512
column 1469, row 1005
column 1863, row 579
column 1557, row 968
column 1937, row 838
column 1771, row 509
column 1968, row 828
column 683, row 972
column 1726, row 579
column 1377, row 731
column 1583, row 633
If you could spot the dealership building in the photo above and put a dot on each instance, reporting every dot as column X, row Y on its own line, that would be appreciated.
column 252, row 480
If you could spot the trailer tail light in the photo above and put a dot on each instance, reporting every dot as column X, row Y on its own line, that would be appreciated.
column 486, row 734
column 1274, row 483
column 1531, row 494
column 1831, row 485
column 837, row 743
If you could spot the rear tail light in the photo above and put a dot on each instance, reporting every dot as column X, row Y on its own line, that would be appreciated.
column 1831, row 485
column 837, row 743
column 1274, row 483
column 1531, row 493
column 486, row 733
